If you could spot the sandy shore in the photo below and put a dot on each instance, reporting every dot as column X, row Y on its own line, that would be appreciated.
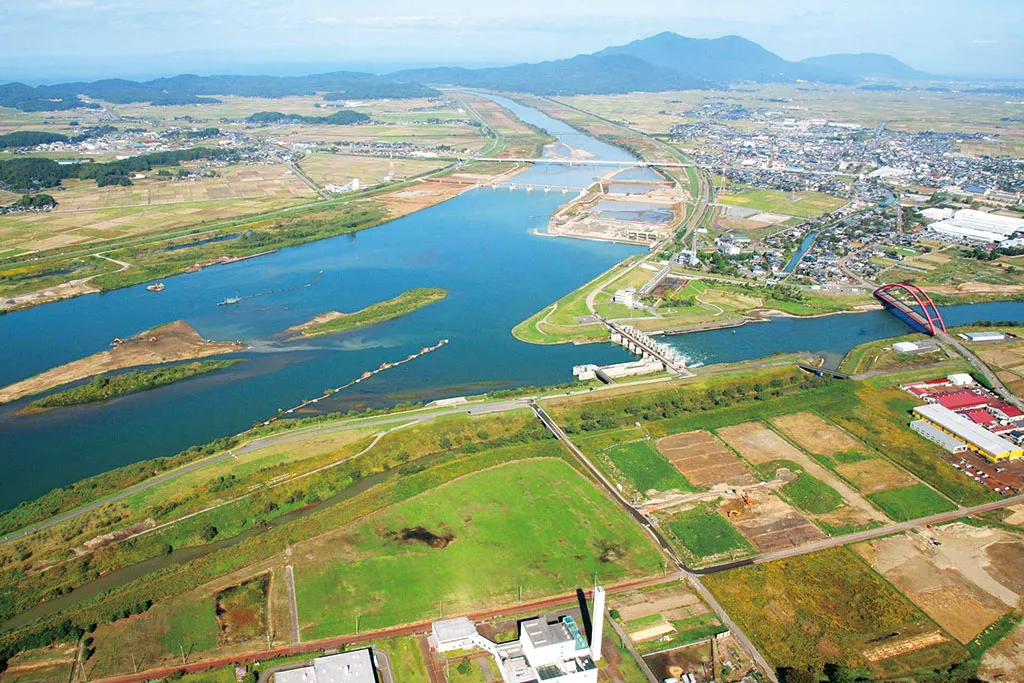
column 168, row 343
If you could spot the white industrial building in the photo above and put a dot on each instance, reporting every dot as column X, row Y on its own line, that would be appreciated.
column 348, row 667
column 978, row 226
column 551, row 648
column 986, row 336
column 976, row 437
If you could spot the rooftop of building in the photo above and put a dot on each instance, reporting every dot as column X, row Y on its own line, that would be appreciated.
column 970, row 432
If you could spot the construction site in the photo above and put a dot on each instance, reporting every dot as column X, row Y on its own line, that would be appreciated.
column 618, row 208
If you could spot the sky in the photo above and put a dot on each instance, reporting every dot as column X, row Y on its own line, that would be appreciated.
column 47, row 40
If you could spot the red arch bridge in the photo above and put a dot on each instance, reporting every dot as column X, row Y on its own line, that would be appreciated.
column 918, row 309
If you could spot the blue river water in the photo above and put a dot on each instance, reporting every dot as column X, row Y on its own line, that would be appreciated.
column 480, row 246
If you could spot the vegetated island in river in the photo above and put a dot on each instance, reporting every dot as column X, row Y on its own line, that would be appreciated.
column 103, row 387
column 333, row 321
column 168, row 343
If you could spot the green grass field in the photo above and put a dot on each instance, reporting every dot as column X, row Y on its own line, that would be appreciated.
column 811, row 495
column 910, row 502
column 705, row 533
column 537, row 525
column 646, row 468
column 807, row 205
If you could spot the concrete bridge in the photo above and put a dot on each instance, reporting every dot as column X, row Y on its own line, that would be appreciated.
column 585, row 162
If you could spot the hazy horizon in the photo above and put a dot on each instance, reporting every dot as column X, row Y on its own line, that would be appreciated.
column 89, row 39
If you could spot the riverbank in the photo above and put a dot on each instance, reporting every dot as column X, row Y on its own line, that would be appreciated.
column 176, row 341
column 335, row 321
column 103, row 387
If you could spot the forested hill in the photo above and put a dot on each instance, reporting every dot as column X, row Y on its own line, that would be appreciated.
column 186, row 89
column 666, row 61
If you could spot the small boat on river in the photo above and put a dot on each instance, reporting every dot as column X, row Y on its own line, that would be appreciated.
column 155, row 287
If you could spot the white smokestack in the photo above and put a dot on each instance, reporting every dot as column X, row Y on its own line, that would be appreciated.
column 597, row 623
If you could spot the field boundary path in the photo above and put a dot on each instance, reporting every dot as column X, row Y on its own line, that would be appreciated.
column 367, row 637
column 293, row 604
column 666, row 547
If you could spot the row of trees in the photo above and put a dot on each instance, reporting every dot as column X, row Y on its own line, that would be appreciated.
column 344, row 117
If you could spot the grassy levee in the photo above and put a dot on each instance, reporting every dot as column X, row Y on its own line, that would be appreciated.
column 232, row 497
column 403, row 304
column 401, row 483
column 828, row 607
column 557, row 322
column 103, row 387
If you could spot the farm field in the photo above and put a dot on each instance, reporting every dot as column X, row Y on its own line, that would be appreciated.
column 965, row 584
column 663, row 617
column 911, row 502
column 705, row 536
column 830, row 607
column 398, row 565
column 30, row 232
column 340, row 169
column 704, row 461
column 645, row 468
column 760, row 445
column 768, row 522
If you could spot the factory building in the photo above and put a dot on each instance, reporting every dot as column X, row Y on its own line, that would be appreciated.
column 551, row 648
column 348, row 667
column 982, row 336
column 972, row 435
column 979, row 226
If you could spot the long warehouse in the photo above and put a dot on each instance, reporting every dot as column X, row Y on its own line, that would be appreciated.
column 976, row 437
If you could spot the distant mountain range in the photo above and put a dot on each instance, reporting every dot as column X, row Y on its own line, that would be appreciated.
column 186, row 89
column 666, row 61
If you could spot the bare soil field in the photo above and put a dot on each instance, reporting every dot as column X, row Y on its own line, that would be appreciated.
column 704, row 461
column 370, row 170
column 676, row 602
column 759, row 444
column 165, row 344
column 417, row 197
column 874, row 475
column 949, row 597
column 1005, row 661
column 770, row 524
column 814, row 434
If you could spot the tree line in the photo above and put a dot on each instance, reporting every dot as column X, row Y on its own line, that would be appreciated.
column 32, row 174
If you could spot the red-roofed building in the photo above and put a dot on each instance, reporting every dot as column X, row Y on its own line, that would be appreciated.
column 981, row 417
column 1005, row 411
column 960, row 400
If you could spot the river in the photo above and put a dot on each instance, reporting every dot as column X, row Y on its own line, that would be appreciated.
column 479, row 246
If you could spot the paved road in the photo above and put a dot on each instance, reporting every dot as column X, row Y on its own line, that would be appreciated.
column 859, row 536
column 981, row 367
column 666, row 547
column 532, row 606
column 420, row 415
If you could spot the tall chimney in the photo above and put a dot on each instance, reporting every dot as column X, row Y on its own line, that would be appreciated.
column 597, row 623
